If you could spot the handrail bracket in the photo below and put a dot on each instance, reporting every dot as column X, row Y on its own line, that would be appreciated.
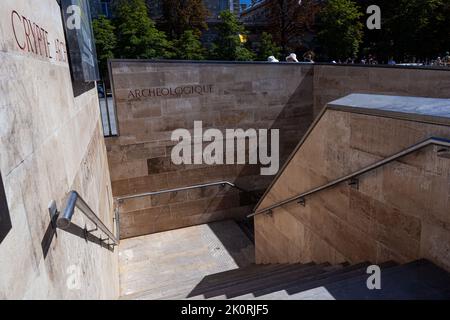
column 354, row 183
column 302, row 201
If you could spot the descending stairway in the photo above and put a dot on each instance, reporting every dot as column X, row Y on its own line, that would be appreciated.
column 416, row 280
column 215, row 261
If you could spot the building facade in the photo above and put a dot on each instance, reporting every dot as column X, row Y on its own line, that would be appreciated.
column 213, row 6
column 256, row 14
column 104, row 7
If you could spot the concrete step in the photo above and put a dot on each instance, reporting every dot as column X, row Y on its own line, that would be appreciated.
column 268, row 281
column 307, row 287
column 244, row 274
column 248, row 228
column 416, row 280
column 272, row 284
column 331, row 277
column 221, row 282
column 315, row 280
column 278, row 283
column 182, row 288
column 257, row 282
column 223, row 279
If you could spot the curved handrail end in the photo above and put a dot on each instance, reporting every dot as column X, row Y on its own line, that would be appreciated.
column 65, row 219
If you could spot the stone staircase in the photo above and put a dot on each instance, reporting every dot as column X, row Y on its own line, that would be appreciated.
column 416, row 280
column 215, row 262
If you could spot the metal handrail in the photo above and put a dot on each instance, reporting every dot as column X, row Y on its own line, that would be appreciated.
column 431, row 141
column 196, row 186
column 75, row 200
column 153, row 193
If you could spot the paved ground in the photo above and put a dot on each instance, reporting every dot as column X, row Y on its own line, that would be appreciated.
column 174, row 262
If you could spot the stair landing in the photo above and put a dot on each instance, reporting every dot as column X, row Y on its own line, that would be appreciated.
column 170, row 263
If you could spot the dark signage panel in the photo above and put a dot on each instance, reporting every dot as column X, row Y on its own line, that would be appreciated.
column 5, row 220
column 80, row 40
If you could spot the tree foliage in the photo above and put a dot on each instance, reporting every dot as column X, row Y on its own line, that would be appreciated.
column 182, row 15
column 189, row 47
column 410, row 28
column 341, row 30
column 105, row 42
column 230, row 41
column 291, row 20
column 137, row 36
column 268, row 47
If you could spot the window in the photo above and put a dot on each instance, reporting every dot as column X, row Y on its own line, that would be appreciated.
column 80, row 45
column 5, row 220
column 107, row 110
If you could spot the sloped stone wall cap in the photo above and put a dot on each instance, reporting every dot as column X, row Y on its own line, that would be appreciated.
column 431, row 110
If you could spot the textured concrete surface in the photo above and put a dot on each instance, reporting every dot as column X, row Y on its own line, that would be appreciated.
column 51, row 143
column 174, row 262
column 399, row 212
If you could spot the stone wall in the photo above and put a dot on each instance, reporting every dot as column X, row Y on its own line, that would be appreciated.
column 51, row 143
column 334, row 81
column 399, row 212
column 231, row 96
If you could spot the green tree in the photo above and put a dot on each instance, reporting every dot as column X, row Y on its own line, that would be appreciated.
column 230, row 41
column 137, row 36
column 414, row 28
column 409, row 29
column 268, row 47
column 189, row 47
column 340, row 29
column 105, row 42
column 181, row 15
column 290, row 21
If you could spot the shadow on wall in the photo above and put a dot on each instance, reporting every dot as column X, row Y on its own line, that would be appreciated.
column 83, row 233
column 5, row 220
column 293, row 121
